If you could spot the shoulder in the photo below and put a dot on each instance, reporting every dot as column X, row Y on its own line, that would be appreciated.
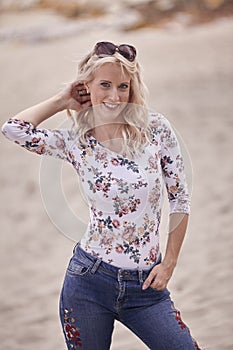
column 162, row 130
column 159, row 125
column 158, row 121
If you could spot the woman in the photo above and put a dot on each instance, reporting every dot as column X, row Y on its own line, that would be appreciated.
column 122, row 154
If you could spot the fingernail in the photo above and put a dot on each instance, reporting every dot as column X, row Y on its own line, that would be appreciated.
column 144, row 286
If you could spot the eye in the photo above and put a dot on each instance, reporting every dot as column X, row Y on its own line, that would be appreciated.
column 105, row 84
column 124, row 86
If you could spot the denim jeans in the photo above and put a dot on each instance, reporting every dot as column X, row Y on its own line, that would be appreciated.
column 95, row 294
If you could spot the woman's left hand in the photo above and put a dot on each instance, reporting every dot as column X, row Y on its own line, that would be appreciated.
column 158, row 277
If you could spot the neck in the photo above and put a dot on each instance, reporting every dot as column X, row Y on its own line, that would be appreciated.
column 108, row 132
column 110, row 136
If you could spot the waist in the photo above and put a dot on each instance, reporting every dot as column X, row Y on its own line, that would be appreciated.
column 95, row 263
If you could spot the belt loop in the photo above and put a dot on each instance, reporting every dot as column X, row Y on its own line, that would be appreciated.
column 74, row 249
column 95, row 266
column 119, row 275
column 140, row 276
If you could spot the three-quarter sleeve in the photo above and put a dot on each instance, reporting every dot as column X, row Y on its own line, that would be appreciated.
column 173, row 168
column 40, row 141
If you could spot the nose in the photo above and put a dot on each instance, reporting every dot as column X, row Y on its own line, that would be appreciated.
column 114, row 95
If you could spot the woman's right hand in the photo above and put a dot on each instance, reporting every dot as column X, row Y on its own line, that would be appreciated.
column 75, row 97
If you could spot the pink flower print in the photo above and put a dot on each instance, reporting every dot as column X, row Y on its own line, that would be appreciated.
column 106, row 240
column 119, row 249
column 101, row 186
column 36, row 139
column 154, row 197
column 133, row 205
column 106, row 188
column 129, row 234
column 173, row 189
column 41, row 149
column 100, row 155
column 60, row 144
column 153, row 254
column 116, row 223
column 153, row 162
column 101, row 224
column 123, row 211
column 115, row 161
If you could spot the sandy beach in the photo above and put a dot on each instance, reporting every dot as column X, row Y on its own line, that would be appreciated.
column 189, row 74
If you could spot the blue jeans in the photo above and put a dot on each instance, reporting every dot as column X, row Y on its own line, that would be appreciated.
column 95, row 294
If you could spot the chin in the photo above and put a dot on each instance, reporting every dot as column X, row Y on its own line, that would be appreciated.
column 110, row 113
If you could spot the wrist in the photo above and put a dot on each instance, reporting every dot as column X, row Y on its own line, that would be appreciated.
column 59, row 102
column 169, row 263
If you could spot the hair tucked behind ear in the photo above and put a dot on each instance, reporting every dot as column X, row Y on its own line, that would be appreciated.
column 136, row 131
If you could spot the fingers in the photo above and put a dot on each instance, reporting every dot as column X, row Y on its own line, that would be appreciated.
column 78, row 90
column 78, row 106
column 84, row 99
column 149, row 279
column 81, row 89
column 86, row 104
column 157, row 279
column 82, row 92
column 78, row 97
column 158, row 285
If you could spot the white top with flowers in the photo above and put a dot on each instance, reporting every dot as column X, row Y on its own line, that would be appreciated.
column 125, row 196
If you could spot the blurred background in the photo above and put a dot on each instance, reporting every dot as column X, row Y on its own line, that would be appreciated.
column 186, row 50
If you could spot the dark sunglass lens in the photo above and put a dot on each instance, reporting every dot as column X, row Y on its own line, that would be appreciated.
column 128, row 51
column 105, row 48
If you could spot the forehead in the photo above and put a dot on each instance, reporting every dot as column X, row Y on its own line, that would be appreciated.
column 112, row 72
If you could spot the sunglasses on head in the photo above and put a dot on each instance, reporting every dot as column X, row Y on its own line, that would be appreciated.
column 105, row 48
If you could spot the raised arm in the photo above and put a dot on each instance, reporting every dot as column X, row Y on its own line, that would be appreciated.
column 22, row 128
column 68, row 98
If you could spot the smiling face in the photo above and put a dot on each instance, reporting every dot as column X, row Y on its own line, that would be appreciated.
column 109, row 91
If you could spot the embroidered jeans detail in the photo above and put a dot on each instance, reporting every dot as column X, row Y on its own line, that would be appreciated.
column 72, row 333
column 182, row 325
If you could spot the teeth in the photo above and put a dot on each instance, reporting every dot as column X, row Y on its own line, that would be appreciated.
column 111, row 105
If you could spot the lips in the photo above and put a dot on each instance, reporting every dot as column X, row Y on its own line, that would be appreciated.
column 111, row 106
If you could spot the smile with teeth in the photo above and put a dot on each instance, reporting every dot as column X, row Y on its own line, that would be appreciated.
column 111, row 105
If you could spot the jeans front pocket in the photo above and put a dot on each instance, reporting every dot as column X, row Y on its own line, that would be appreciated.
column 158, row 294
column 77, row 268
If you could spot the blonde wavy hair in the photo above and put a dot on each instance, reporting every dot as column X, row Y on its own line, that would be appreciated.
column 136, row 131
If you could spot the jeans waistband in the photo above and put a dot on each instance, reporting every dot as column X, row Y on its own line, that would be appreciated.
column 95, row 264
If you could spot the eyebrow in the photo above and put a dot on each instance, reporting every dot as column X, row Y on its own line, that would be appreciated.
column 109, row 81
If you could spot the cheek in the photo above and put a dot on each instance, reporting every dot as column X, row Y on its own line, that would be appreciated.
column 96, row 96
column 130, row 95
column 125, row 97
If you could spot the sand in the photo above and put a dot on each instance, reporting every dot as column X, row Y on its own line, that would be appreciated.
column 189, row 76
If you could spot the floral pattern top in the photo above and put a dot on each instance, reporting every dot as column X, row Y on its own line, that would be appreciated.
column 125, row 196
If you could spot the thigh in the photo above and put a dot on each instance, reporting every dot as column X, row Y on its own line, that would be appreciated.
column 159, row 325
column 86, row 323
